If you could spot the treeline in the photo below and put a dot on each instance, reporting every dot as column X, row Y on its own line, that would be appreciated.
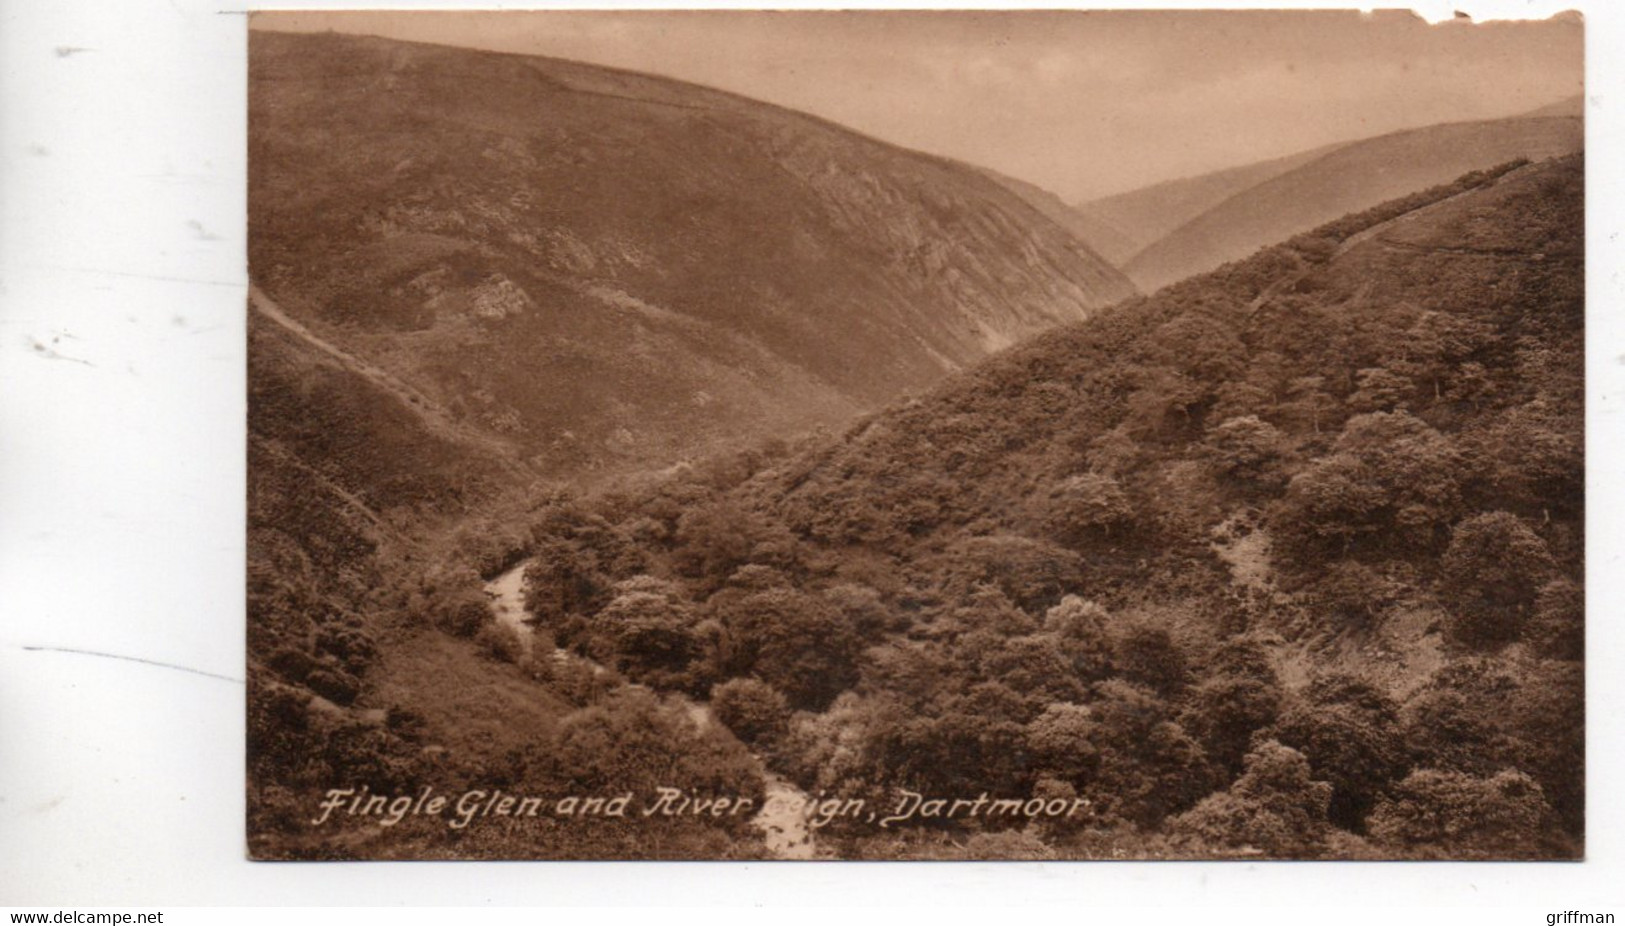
column 1283, row 560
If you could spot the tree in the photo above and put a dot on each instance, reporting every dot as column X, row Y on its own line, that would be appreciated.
column 1558, row 629
column 862, row 608
column 1032, row 573
column 1149, row 656
column 1308, row 403
column 1351, row 734
column 1437, row 342
column 1413, row 464
column 1380, row 390
column 630, row 741
column 1085, row 506
column 988, row 608
column 752, row 709
column 1162, row 393
column 1389, row 478
column 1240, row 400
column 1033, row 665
column 1079, row 627
column 1547, row 714
column 561, row 580
column 1199, row 346
column 1276, row 807
column 952, row 751
column 1247, row 450
column 1437, row 814
column 1352, row 593
column 1061, row 742
column 713, row 540
column 1491, row 576
column 1223, row 712
column 500, row 642
column 796, row 642
column 650, row 628
column 1533, row 458
column 1113, row 453
column 1458, row 721
column 1149, row 766
column 1330, row 505
column 829, row 753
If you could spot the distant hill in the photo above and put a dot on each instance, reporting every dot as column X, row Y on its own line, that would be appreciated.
column 1574, row 106
column 1345, row 179
column 600, row 269
column 1145, row 215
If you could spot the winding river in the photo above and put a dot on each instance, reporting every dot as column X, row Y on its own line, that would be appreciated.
column 781, row 821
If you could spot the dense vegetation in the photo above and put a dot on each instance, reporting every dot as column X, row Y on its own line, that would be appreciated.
column 1285, row 560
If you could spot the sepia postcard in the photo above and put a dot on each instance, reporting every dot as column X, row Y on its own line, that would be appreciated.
column 881, row 435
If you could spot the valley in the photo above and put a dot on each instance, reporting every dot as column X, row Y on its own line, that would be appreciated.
column 610, row 434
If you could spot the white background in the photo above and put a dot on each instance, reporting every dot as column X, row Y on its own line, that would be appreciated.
column 122, row 403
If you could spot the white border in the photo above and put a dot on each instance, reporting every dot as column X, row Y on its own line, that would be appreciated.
column 121, row 524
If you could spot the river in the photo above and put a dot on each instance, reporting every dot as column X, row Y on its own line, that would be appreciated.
column 781, row 821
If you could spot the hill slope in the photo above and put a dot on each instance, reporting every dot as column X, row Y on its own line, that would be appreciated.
column 1099, row 235
column 1282, row 560
column 1144, row 216
column 1346, row 179
column 604, row 268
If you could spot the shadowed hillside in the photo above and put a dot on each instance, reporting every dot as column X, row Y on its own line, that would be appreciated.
column 1284, row 560
column 1346, row 179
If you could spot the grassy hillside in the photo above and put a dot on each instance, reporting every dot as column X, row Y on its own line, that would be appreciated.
column 607, row 269
column 1284, row 560
column 1346, row 179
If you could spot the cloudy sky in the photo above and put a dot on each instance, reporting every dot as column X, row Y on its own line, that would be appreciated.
column 1082, row 103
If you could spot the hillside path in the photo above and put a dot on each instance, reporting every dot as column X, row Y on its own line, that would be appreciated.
column 781, row 820
column 435, row 417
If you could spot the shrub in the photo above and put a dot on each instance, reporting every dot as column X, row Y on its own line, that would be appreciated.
column 334, row 684
column 464, row 615
column 500, row 641
column 1453, row 815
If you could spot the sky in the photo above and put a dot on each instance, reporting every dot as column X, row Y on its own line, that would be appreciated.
column 1084, row 104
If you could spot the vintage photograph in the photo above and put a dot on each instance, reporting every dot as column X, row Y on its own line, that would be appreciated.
column 915, row 435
